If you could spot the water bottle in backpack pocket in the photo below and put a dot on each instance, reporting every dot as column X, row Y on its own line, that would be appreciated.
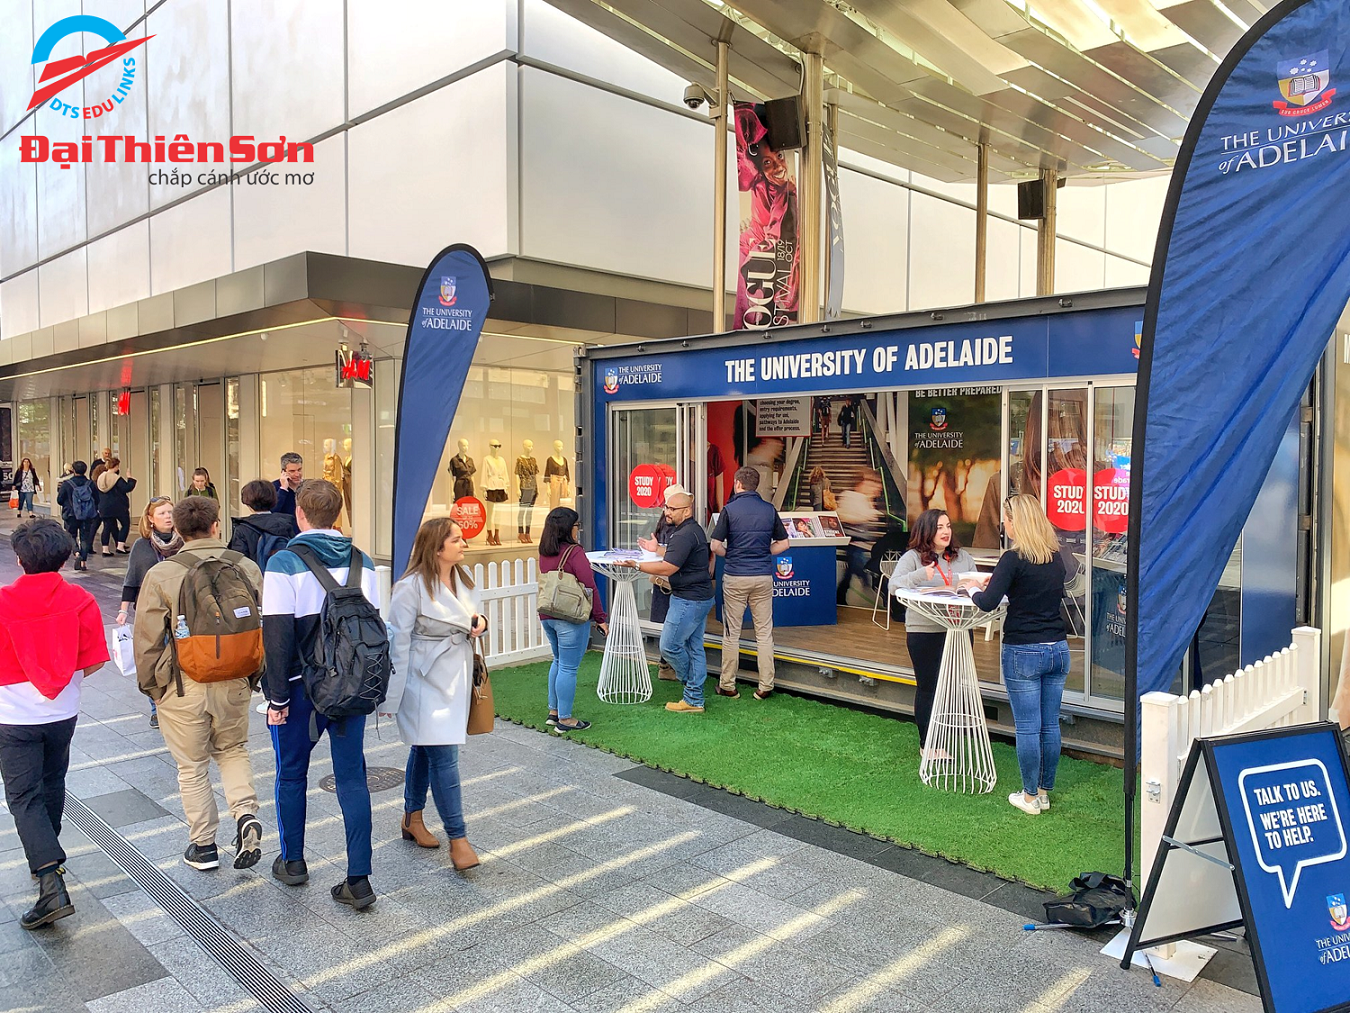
column 351, row 669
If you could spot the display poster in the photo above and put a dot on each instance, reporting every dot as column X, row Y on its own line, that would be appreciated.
column 954, row 455
column 766, row 282
column 783, row 416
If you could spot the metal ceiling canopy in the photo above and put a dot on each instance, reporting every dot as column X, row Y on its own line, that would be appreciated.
column 1086, row 87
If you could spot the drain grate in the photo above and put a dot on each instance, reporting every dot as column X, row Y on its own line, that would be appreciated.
column 213, row 937
column 377, row 779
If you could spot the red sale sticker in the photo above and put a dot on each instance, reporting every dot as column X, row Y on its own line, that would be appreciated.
column 470, row 514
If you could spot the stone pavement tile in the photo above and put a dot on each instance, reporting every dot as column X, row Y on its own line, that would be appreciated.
column 123, row 808
column 746, row 997
column 209, row 983
column 1211, row 997
column 741, row 808
column 1108, row 986
column 51, row 996
column 142, row 917
column 24, row 966
column 662, row 913
column 99, row 875
column 684, row 879
column 160, row 838
column 456, row 972
column 96, row 956
column 836, row 839
column 754, row 910
column 406, row 995
column 164, row 995
column 795, row 972
column 560, row 968
column 962, row 880
column 683, row 973
column 1234, row 968
column 581, row 921
column 1021, row 900
column 92, row 782
column 872, row 996
column 628, row 993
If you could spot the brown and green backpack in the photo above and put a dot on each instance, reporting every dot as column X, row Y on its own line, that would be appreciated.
column 224, row 620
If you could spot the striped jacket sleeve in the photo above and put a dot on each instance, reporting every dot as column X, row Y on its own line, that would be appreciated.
column 279, row 646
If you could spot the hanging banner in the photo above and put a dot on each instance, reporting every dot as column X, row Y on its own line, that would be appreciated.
column 766, row 283
column 447, row 316
column 834, row 263
column 1250, row 274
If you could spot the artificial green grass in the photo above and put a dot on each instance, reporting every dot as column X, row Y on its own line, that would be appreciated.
column 845, row 767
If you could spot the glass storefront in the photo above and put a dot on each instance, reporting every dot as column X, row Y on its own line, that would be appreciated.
column 302, row 411
column 35, row 443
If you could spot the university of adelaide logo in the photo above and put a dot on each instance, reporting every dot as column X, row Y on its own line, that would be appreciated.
column 939, row 420
column 783, row 567
column 1305, row 84
column 1122, row 601
column 611, row 380
column 447, row 291
column 1340, row 917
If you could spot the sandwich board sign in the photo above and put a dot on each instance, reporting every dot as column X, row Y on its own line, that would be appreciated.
column 1257, row 837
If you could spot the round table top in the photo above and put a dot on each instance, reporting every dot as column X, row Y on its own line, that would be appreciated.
column 949, row 608
column 614, row 564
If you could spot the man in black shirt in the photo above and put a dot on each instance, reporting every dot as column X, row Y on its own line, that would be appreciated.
column 686, row 565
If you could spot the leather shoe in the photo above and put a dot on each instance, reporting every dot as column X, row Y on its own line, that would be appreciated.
column 359, row 895
column 53, row 902
column 680, row 707
column 462, row 855
column 730, row 694
column 415, row 830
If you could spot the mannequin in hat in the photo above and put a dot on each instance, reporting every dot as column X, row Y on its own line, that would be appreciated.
column 494, row 484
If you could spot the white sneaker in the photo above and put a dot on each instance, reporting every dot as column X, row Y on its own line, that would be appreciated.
column 1019, row 801
column 1044, row 799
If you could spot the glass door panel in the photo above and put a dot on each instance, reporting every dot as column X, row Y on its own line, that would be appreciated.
column 136, row 447
column 1112, row 424
column 1066, row 505
column 649, row 448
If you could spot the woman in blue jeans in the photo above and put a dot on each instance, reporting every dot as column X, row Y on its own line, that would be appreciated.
column 433, row 622
column 1035, row 651
column 560, row 548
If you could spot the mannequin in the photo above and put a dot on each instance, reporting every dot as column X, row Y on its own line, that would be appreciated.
column 462, row 467
column 332, row 474
column 494, row 482
column 347, row 475
column 558, row 476
column 527, row 477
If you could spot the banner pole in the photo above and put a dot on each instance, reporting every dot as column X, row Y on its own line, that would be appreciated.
column 719, row 118
column 981, row 217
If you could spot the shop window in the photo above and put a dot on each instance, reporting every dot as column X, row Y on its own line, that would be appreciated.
column 231, row 504
column 1113, row 425
column 35, row 433
column 532, row 415
column 303, row 411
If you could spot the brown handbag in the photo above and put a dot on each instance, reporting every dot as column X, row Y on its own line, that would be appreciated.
column 481, row 710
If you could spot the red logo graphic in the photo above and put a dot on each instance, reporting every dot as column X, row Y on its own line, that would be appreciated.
column 75, row 68
column 1111, row 510
column 1066, row 495
column 470, row 514
column 647, row 484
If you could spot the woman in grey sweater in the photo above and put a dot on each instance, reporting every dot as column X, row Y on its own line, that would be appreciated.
column 933, row 560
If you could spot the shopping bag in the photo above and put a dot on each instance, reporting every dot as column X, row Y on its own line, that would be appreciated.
column 14, row 499
column 122, row 652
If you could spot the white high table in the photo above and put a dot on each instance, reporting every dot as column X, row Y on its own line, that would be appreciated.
column 624, row 675
column 957, row 727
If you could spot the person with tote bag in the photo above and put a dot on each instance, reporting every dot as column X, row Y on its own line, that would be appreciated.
column 568, row 603
column 434, row 625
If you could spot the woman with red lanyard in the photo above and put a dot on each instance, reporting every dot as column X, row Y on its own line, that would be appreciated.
column 934, row 559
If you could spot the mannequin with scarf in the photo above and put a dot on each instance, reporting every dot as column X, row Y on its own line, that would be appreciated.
column 51, row 638
column 157, row 543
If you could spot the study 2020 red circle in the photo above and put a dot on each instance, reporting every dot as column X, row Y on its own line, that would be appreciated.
column 471, row 516
column 647, row 484
column 1066, row 499
column 1111, row 500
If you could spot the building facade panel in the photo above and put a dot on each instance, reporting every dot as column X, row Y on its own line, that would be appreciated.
column 941, row 234
column 18, row 214
column 119, row 267
column 271, row 222
column 63, row 287
column 190, row 242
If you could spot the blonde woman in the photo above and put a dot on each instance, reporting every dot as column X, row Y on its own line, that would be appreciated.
column 1035, row 651
column 158, row 542
column 433, row 617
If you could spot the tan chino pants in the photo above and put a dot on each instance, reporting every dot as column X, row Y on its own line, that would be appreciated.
column 209, row 722
column 737, row 593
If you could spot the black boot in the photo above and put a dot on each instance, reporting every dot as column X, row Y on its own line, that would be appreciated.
column 52, row 904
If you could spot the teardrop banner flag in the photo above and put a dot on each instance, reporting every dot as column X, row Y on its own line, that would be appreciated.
column 447, row 317
column 1250, row 274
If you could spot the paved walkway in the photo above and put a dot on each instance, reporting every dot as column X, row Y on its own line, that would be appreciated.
column 600, row 890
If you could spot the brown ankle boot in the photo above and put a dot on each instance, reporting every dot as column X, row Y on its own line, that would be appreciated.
column 415, row 830
column 462, row 855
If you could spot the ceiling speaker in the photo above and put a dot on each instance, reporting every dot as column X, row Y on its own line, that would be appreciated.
column 785, row 120
column 1031, row 199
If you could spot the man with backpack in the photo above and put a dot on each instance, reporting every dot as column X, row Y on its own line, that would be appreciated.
column 327, row 668
column 199, row 655
column 79, row 510
column 263, row 532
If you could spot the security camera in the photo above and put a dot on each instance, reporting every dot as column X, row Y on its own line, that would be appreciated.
column 695, row 95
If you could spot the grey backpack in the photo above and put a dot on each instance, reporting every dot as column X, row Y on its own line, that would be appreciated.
column 562, row 596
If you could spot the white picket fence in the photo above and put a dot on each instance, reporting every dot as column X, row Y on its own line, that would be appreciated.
column 508, row 594
column 1283, row 689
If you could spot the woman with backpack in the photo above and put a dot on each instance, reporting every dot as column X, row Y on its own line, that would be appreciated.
column 158, row 542
column 560, row 550
column 202, row 485
column 114, row 506
column 27, row 483
column 433, row 623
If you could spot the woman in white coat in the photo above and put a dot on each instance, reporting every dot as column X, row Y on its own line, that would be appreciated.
column 433, row 617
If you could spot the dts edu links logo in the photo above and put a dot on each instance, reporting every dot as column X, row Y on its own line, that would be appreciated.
column 58, row 75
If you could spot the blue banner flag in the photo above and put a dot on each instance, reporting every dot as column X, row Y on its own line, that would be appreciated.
column 1250, row 274
column 447, row 317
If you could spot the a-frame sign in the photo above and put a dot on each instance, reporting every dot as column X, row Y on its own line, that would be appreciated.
column 1257, row 836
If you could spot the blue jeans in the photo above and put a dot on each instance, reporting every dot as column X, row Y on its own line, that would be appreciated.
column 437, row 768
column 25, row 501
column 568, row 642
column 292, row 746
column 1034, row 675
column 682, row 645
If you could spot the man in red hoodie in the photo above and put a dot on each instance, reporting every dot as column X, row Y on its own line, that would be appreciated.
column 51, row 637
